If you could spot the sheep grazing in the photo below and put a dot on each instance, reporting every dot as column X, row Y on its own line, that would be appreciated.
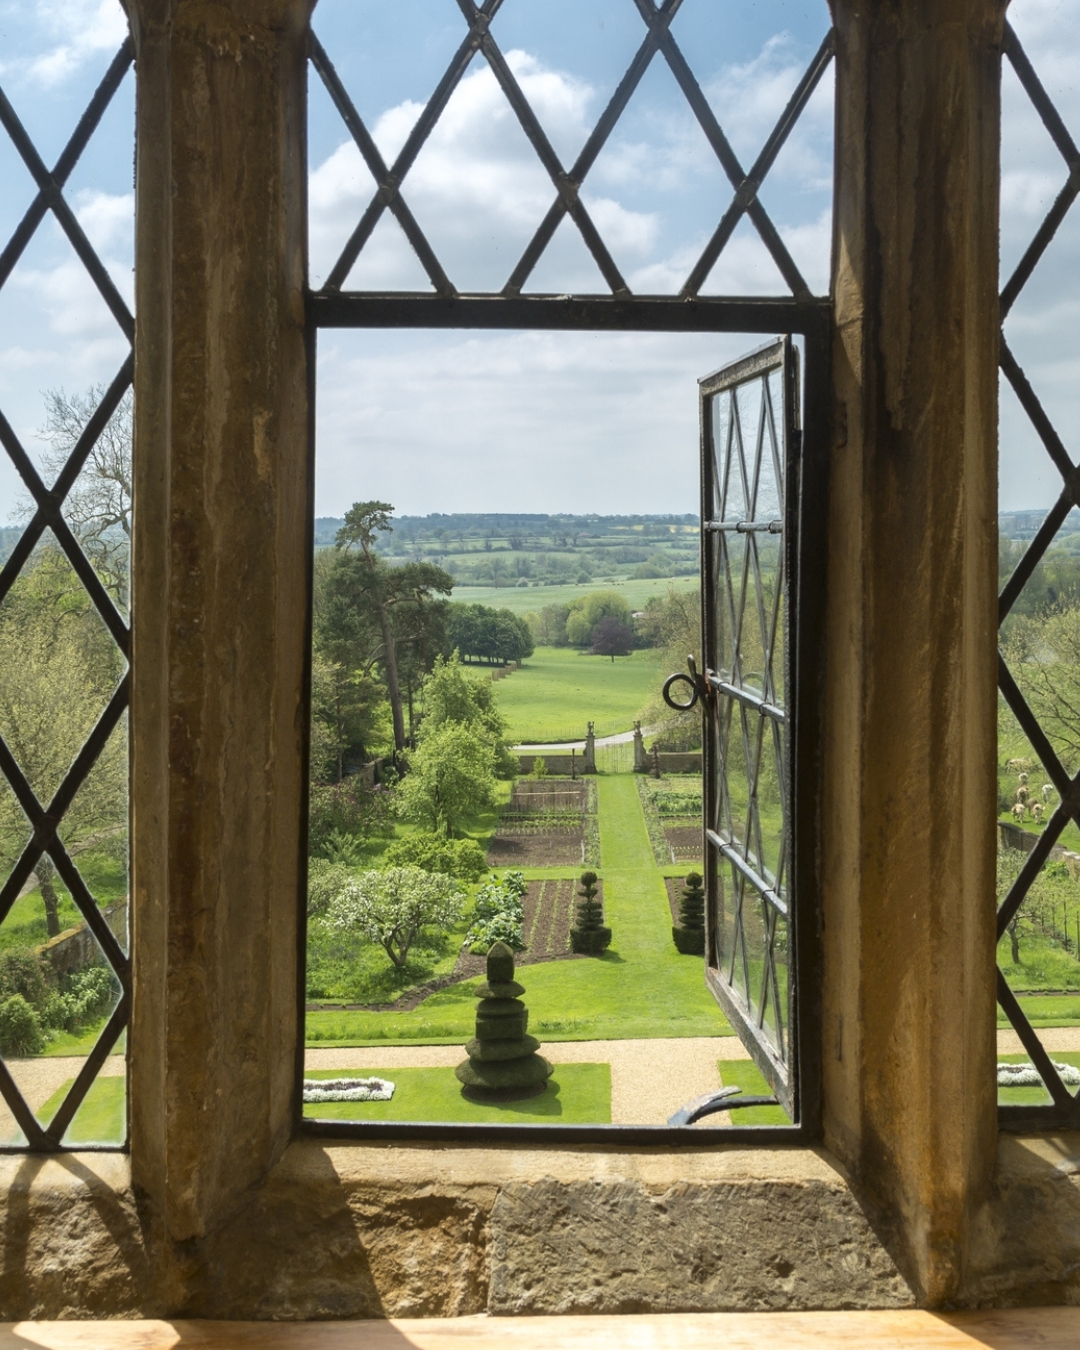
column 1023, row 779
column 1018, row 812
column 1047, row 792
column 1022, row 794
column 1037, row 811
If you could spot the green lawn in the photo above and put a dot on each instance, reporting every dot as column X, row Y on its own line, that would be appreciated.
column 1048, row 1010
column 577, row 1094
column 104, row 873
column 744, row 1073
column 102, row 1117
column 1033, row 1096
column 640, row 988
column 559, row 690
column 522, row 599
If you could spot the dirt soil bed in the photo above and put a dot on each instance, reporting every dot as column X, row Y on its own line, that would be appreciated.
column 685, row 840
column 549, row 915
column 562, row 849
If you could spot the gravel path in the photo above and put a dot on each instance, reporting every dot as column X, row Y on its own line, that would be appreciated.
column 650, row 1080
column 38, row 1079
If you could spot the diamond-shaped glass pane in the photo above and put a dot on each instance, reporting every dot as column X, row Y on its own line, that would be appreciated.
column 579, row 131
column 747, row 802
column 1039, row 568
column 65, row 296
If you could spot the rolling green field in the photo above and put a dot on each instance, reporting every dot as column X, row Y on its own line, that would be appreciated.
column 521, row 599
column 640, row 988
column 577, row 1094
column 101, row 1119
column 559, row 690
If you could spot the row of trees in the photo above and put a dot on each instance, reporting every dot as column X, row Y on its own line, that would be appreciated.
column 58, row 664
column 379, row 629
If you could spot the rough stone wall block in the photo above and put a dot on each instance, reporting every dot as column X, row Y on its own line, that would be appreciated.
column 221, row 560
column 909, row 1094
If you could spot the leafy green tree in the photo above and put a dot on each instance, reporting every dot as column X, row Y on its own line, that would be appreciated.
column 451, row 777
column 348, row 709
column 58, row 669
column 452, row 695
column 548, row 628
column 586, row 613
column 98, row 506
column 363, row 592
column 461, row 858
column 611, row 638
column 392, row 907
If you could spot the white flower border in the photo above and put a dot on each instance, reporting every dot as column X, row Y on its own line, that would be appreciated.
column 1026, row 1075
column 347, row 1090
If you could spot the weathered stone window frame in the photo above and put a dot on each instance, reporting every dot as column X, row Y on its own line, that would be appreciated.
column 221, row 1209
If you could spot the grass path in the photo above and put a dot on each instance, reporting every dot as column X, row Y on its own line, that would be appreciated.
column 639, row 989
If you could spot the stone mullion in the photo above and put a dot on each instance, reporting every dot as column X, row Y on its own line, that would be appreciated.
column 909, row 1094
column 221, row 557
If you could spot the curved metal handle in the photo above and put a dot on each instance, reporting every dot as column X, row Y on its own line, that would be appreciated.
column 673, row 680
column 698, row 688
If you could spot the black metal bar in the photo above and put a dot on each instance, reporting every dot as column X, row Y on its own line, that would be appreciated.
column 760, row 885
column 744, row 526
column 110, row 1034
column 590, row 151
column 598, row 313
column 69, row 157
column 726, row 155
column 1031, row 1043
column 747, row 190
column 1033, row 554
column 1044, row 106
column 1040, row 242
column 375, row 162
column 566, row 188
column 1030, row 869
column 1029, row 724
column 671, row 1139
column 24, row 1117
column 1029, row 401
column 413, row 144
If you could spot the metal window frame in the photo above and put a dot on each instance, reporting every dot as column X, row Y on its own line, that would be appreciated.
column 46, row 818
column 812, row 321
column 801, row 314
column 1063, row 1110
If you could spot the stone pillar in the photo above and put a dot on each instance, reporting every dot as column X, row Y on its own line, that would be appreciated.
column 221, row 560
column 909, row 778
column 589, row 764
column 641, row 762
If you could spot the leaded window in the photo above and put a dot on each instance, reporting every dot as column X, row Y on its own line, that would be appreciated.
column 64, row 628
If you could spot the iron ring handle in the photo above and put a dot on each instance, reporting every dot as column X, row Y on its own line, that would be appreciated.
column 674, row 679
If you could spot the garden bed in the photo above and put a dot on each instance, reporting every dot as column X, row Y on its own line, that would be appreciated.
column 548, row 822
column 673, row 820
column 550, row 907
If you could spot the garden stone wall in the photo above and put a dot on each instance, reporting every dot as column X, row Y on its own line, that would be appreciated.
column 558, row 766
column 76, row 948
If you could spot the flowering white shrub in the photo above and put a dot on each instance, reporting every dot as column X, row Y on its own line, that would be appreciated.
column 500, row 915
column 392, row 907
column 347, row 1090
column 1026, row 1075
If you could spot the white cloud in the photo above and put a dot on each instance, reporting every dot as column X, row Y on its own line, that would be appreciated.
column 66, row 34
column 513, row 421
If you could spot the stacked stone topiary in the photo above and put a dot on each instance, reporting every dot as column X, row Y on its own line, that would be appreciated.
column 503, row 1065
column 589, row 937
column 689, row 935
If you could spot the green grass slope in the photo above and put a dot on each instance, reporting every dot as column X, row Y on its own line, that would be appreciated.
column 559, row 690
column 577, row 1094
column 522, row 599
column 640, row 988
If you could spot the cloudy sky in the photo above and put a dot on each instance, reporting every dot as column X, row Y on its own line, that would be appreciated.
column 521, row 421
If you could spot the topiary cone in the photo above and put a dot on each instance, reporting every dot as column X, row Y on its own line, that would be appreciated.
column 503, row 1065
column 589, row 936
column 689, row 935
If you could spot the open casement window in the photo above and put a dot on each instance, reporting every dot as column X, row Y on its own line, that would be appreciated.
column 750, row 460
